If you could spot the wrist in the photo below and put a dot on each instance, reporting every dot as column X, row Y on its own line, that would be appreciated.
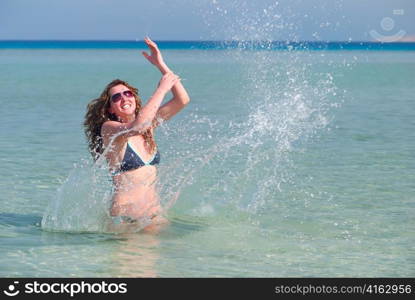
column 161, row 90
column 163, row 68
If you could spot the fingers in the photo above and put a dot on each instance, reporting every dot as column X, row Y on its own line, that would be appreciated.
column 147, row 56
column 171, row 76
column 169, row 80
column 150, row 43
column 175, row 80
column 168, row 77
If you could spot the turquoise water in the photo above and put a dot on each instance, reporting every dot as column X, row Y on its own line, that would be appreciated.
column 285, row 163
column 204, row 45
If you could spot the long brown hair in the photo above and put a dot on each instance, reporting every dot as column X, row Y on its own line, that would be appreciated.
column 97, row 113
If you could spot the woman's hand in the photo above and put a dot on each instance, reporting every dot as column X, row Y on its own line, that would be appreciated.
column 167, row 81
column 155, row 58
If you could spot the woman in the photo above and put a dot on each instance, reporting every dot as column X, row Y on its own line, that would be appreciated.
column 120, row 127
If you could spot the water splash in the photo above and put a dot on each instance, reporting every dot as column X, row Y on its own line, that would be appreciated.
column 223, row 165
column 82, row 201
column 288, row 99
column 244, row 164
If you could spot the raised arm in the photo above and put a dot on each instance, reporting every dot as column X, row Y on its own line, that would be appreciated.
column 144, row 120
column 153, row 108
column 180, row 97
column 149, row 112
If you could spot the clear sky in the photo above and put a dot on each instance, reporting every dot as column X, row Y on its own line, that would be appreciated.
column 207, row 19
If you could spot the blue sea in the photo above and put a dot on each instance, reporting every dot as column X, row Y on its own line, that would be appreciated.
column 291, row 160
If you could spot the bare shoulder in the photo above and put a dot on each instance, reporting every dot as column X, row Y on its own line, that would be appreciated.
column 109, row 126
column 111, row 129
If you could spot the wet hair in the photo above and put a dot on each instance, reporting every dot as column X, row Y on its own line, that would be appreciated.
column 97, row 114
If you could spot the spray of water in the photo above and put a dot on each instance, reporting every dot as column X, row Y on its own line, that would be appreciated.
column 245, row 164
column 288, row 103
column 82, row 202
column 223, row 166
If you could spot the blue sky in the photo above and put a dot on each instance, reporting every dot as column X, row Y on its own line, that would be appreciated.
column 206, row 19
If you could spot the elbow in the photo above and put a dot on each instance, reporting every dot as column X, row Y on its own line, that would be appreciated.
column 186, row 100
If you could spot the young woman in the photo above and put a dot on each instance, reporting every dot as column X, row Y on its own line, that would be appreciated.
column 120, row 127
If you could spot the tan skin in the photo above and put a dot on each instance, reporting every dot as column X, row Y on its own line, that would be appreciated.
column 135, row 194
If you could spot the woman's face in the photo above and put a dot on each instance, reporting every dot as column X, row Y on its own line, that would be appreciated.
column 122, row 101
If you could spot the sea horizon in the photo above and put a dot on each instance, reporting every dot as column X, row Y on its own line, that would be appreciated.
column 210, row 44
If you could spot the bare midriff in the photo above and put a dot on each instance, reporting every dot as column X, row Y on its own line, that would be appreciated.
column 135, row 193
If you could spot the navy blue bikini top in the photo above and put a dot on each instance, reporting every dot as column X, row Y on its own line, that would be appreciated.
column 132, row 160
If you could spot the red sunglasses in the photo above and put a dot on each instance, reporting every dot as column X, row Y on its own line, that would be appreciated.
column 117, row 97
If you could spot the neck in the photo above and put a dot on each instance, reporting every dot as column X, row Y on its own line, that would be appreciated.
column 126, row 119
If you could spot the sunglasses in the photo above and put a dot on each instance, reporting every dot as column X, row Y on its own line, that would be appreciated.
column 117, row 97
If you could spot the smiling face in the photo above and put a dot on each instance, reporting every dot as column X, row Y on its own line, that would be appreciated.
column 124, row 104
